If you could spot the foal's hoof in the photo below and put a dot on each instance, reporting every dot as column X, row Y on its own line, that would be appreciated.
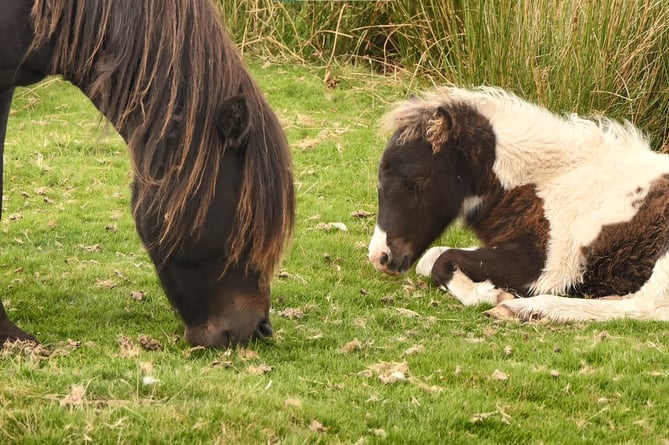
column 516, row 310
column 425, row 264
column 10, row 333
column 501, row 312
column 504, row 296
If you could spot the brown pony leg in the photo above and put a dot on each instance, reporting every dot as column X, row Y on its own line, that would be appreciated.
column 5, row 104
column 9, row 331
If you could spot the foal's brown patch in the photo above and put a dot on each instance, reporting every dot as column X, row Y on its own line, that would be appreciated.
column 514, row 230
column 622, row 257
column 513, row 215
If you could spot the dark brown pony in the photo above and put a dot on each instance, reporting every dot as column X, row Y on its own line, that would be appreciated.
column 213, row 196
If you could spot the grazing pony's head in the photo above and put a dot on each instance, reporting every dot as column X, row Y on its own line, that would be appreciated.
column 438, row 160
column 213, row 193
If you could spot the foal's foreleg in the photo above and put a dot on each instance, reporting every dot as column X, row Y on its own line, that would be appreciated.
column 450, row 278
column 480, row 275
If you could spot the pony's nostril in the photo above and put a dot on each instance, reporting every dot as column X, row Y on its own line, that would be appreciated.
column 405, row 264
column 265, row 328
column 226, row 339
column 384, row 258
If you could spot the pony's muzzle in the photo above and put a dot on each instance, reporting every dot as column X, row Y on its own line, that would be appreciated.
column 264, row 329
column 390, row 264
column 400, row 265
column 382, row 256
column 211, row 335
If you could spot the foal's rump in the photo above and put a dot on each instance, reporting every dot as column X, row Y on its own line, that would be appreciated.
column 608, row 224
column 625, row 268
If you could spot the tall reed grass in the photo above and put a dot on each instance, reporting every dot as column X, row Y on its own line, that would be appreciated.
column 592, row 57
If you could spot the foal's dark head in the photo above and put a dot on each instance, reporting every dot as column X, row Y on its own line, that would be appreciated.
column 438, row 156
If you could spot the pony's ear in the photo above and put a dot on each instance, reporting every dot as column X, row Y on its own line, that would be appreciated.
column 233, row 120
column 440, row 128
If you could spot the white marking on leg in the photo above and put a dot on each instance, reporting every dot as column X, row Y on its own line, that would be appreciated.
column 426, row 262
column 470, row 293
column 469, row 205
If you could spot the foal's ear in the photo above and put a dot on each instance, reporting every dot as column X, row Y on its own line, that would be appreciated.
column 440, row 128
column 233, row 120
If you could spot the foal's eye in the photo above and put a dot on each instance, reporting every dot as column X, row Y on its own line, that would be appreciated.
column 415, row 185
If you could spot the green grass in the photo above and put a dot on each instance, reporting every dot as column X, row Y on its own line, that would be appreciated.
column 70, row 259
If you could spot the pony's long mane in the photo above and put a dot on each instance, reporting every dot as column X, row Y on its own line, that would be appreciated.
column 532, row 143
column 159, row 70
column 504, row 110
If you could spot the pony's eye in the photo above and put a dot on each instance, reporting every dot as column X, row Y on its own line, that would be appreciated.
column 415, row 185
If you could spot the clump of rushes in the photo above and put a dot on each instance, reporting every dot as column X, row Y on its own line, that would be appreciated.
column 607, row 57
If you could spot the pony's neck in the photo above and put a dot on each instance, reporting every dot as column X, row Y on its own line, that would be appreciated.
column 125, row 129
column 534, row 145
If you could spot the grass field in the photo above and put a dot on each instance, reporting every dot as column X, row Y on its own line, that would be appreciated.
column 358, row 357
